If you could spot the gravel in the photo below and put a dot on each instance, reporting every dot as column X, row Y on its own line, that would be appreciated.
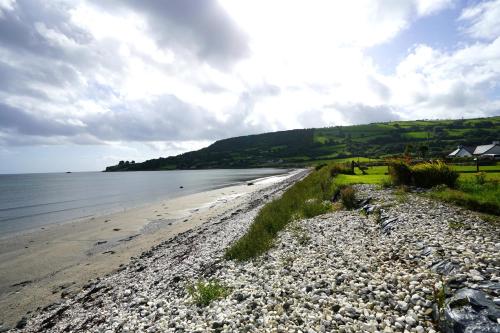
column 350, row 275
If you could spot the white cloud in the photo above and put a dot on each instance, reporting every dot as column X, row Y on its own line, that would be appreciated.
column 173, row 77
column 482, row 19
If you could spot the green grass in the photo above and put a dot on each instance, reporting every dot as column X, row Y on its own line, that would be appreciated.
column 306, row 198
column 375, row 175
column 203, row 293
column 472, row 168
column 483, row 198
column 417, row 135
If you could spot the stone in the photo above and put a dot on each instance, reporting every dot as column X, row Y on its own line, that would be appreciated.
column 22, row 323
column 470, row 311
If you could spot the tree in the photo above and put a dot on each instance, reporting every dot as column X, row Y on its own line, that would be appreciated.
column 423, row 149
column 121, row 163
column 408, row 149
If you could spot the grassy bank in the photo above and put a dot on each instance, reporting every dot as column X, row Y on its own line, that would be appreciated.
column 311, row 197
column 307, row 198
column 477, row 196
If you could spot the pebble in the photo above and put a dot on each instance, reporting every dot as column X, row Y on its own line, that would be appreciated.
column 348, row 277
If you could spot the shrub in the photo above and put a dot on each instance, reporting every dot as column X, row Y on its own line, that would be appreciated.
column 400, row 172
column 348, row 197
column 425, row 174
column 341, row 168
column 204, row 293
column 431, row 174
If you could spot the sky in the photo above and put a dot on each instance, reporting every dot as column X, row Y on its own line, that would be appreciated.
column 87, row 83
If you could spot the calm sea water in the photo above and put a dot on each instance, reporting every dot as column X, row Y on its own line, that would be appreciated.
column 33, row 200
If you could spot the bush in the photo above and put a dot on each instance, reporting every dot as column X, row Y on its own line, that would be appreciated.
column 341, row 168
column 431, row 174
column 400, row 172
column 204, row 293
column 348, row 197
column 425, row 174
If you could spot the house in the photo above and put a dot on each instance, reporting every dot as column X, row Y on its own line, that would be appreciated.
column 488, row 150
column 483, row 151
column 462, row 151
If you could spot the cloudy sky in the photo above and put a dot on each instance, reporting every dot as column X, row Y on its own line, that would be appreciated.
column 86, row 83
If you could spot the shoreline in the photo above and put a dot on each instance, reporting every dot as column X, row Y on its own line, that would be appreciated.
column 338, row 272
column 132, row 205
column 41, row 266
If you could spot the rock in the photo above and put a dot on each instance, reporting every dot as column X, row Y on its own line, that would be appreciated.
column 470, row 311
column 22, row 323
column 388, row 224
column 402, row 305
column 444, row 267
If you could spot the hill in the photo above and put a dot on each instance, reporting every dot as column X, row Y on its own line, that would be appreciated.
column 306, row 146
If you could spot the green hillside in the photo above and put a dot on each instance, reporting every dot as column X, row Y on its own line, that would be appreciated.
column 306, row 146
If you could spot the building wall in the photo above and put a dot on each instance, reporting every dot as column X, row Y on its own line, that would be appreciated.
column 463, row 153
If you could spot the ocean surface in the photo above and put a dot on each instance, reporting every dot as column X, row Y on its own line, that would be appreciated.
column 33, row 200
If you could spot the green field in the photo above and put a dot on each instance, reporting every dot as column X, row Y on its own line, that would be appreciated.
column 375, row 175
column 479, row 192
column 304, row 147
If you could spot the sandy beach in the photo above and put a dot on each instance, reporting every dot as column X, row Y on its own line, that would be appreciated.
column 43, row 266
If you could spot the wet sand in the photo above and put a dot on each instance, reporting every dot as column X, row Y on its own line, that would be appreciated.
column 41, row 266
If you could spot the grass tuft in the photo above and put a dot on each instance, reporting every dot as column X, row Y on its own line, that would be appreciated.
column 203, row 293
column 348, row 197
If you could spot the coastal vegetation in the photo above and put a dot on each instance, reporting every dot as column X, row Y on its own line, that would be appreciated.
column 307, row 198
column 306, row 147
column 313, row 195
column 427, row 174
column 481, row 196
column 203, row 293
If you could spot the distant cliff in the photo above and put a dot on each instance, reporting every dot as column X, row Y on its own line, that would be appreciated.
column 304, row 146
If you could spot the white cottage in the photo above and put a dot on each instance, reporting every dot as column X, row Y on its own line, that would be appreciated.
column 462, row 151
column 488, row 151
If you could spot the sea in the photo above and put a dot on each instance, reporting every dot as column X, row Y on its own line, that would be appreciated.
column 29, row 201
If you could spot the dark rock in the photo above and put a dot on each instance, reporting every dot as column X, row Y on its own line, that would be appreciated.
column 216, row 325
column 444, row 267
column 469, row 311
column 335, row 308
column 250, row 184
column 22, row 323
column 309, row 289
column 365, row 202
column 240, row 297
column 388, row 224
column 21, row 284
column 253, row 305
